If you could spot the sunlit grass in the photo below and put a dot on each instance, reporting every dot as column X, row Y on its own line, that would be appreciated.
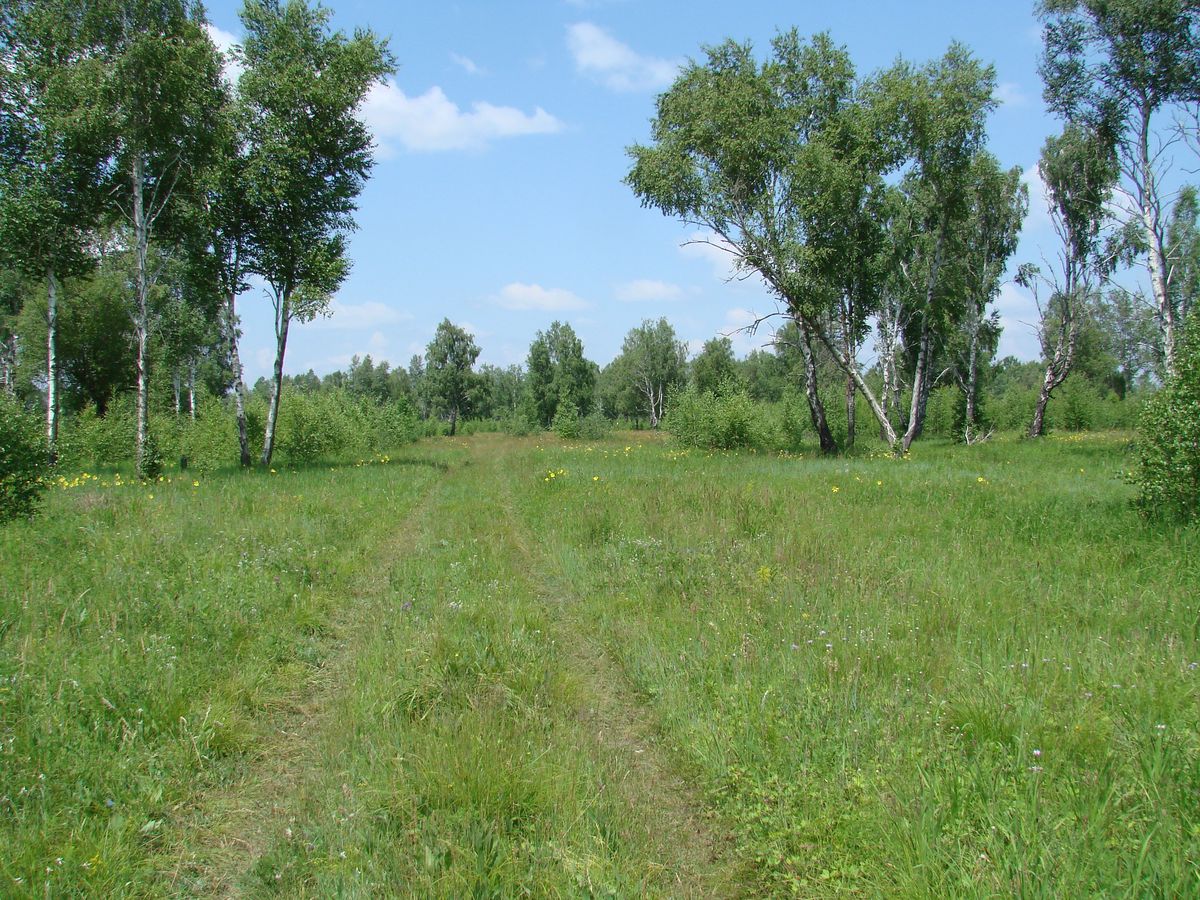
column 970, row 671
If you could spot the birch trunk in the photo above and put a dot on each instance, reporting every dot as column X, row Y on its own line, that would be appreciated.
column 850, row 366
column 8, row 363
column 282, row 320
column 1057, row 369
column 850, row 351
column 1151, row 213
column 52, row 364
column 239, row 384
column 141, row 315
column 972, row 383
column 816, row 409
column 192, row 389
column 177, row 390
column 920, row 390
column 920, row 393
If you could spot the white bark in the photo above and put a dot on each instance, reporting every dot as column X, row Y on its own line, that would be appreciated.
column 52, row 363
column 141, row 313
column 283, row 317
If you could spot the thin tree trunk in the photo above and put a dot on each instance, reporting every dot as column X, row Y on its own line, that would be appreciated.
column 8, row 363
column 453, row 421
column 1057, row 369
column 239, row 384
column 282, row 320
column 850, row 350
column 920, row 390
column 920, row 394
column 192, row 389
column 52, row 364
column 850, row 366
column 177, row 389
column 816, row 409
column 972, row 382
column 1156, row 255
column 141, row 314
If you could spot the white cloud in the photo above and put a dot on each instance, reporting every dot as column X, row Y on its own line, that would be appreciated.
column 433, row 121
column 1038, row 220
column 738, row 322
column 231, row 69
column 466, row 64
column 1018, row 317
column 372, row 314
column 713, row 250
column 518, row 296
column 1009, row 93
column 616, row 65
column 646, row 290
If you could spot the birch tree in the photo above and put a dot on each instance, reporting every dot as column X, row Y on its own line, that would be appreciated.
column 1079, row 169
column 997, row 204
column 52, row 137
column 162, row 92
column 786, row 163
column 940, row 111
column 307, row 159
column 448, row 376
column 1127, row 70
column 654, row 361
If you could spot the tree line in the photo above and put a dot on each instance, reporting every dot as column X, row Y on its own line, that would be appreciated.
column 143, row 189
column 152, row 187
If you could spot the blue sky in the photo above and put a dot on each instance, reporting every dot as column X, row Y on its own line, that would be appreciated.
column 497, row 199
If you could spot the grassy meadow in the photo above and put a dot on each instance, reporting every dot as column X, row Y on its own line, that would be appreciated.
column 502, row 667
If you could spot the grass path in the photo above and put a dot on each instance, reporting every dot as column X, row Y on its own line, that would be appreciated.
column 492, row 725
column 229, row 829
column 698, row 858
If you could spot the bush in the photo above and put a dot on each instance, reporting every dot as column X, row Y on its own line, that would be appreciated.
column 566, row 420
column 594, row 426
column 24, row 459
column 726, row 420
column 1168, row 471
column 90, row 440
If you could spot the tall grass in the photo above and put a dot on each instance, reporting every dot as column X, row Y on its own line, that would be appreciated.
column 609, row 668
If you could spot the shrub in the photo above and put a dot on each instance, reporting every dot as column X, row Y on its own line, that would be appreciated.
column 1168, row 470
column 594, row 426
column 566, row 420
column 88, row 439
column 726, row 420
column 23, row 461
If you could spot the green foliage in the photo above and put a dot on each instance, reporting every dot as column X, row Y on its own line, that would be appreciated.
column 1168, row 447
column 89, row 439
column 726, row 420
column 449, row 380
column 23, row 460
column 594, row 426
column 558, row 373
column 566, row 420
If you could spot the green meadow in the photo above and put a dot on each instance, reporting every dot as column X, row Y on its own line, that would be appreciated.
column 502, row 667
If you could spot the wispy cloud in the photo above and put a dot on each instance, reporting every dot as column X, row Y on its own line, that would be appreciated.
column 372, row 314
column 618, row 66
column 466, row 64
column 432, row 121
column 713, row 250
column 646, row 290
column 518, row 296
column 1009, row 93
